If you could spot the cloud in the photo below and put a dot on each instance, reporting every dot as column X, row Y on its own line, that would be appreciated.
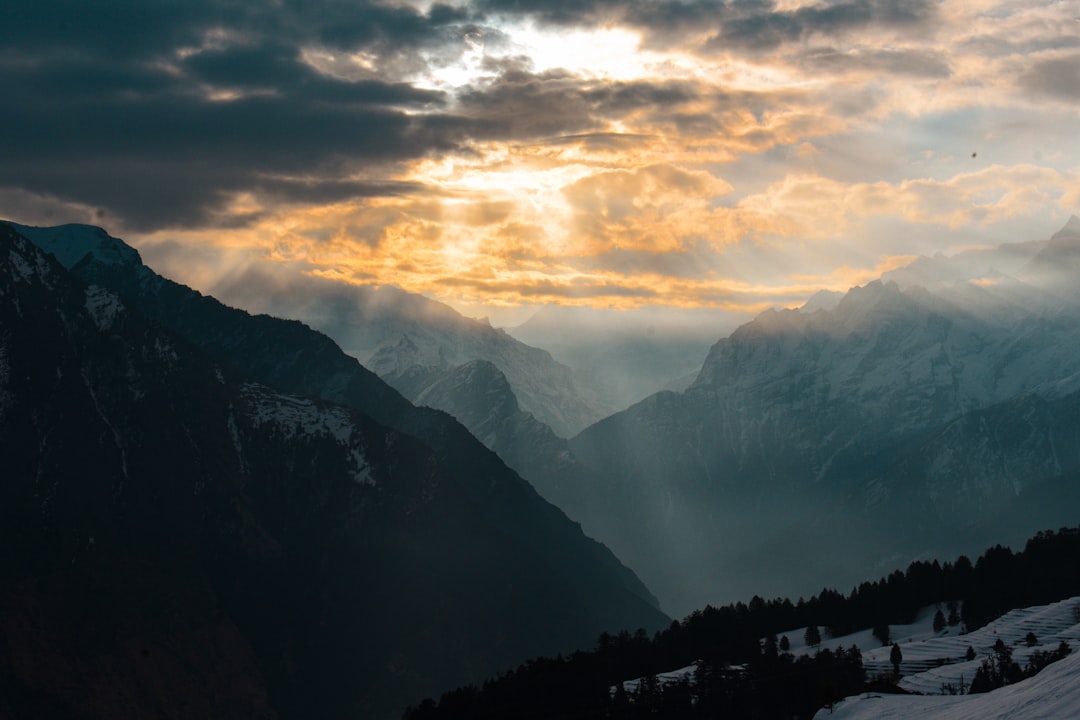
column 659, row 208
column 1055, row 77
column 162, row 113
column 733, row 151
column 912, row 62
column 723, row 25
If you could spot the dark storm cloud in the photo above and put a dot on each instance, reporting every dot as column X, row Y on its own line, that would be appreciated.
column 158, row 111
column 766, row 29
column 730, row 24
column 555, row 104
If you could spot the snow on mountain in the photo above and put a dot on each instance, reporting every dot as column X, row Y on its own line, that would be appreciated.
column 915, row 405
column 71, row 243
column 822, row 300
column 291, row 417
column 542, row 386
column 103, row 306
column 392, row 331
column 387, row 329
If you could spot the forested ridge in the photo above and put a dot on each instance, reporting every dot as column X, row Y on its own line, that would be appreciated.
column 738, row 674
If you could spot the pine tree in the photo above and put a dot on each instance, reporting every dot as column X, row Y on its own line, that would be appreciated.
column 813, row 636
column 785, row 644
column 939, row 621
column 882, row 633
column 896, row 656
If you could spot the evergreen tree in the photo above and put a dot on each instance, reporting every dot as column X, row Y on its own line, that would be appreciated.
column 785, row 644
column 954, row 614
column 812, row 636
column 771, row 645
column 1031, row 640
column 939, row 621
column 970, row 654
column 881, row 632
column 896, row 656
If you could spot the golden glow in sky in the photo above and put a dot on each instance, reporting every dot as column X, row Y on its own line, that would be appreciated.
column 499, row 154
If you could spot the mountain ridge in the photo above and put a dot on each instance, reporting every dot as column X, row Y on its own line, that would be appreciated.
column 252, row 431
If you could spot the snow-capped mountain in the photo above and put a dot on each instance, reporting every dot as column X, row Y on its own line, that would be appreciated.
column 841, row 441
column 392, row 331
column 189, row 518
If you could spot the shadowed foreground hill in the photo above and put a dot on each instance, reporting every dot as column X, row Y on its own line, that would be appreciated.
column 183, row 540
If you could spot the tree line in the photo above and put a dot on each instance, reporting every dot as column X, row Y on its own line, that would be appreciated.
column 738, row 674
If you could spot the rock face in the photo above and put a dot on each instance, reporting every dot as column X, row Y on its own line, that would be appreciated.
column 826, row 445
column 199, row 513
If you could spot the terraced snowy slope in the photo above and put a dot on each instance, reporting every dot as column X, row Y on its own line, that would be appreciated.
column 933, row 660
column 1053, row 694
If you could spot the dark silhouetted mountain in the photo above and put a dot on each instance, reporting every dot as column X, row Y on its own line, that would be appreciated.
column 818, row 447
column 183, row 539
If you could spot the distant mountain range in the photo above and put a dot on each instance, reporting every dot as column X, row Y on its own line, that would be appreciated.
column 393, row 332
column 225, row 512
column 817, row 446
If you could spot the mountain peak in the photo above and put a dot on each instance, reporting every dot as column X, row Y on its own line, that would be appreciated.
column 72, row 243
column 1071, row 229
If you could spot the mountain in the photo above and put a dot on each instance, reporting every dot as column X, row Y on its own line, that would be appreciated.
column 479, row 396
column 626, row 356
column 179, row 533
column 392, row 331
column 817, row 447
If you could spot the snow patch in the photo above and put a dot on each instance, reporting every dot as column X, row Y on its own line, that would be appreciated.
column 103, row 306
column 295, row 416
column 23, row 269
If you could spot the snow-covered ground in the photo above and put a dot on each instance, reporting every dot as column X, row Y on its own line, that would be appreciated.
column 631, row 686
column 932, row 660
column 1053, row 694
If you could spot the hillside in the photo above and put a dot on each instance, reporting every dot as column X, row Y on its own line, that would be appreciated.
column 270, row 552
column 757, row 658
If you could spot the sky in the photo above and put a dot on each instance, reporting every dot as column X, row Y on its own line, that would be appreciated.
column 501, row 155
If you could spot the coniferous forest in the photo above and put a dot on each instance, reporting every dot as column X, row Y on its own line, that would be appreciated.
column 742, row 668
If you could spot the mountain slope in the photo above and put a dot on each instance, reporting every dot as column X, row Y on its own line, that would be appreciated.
column 480, row 397
column 390, row 331
column 802, row 438
column 300, row 531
